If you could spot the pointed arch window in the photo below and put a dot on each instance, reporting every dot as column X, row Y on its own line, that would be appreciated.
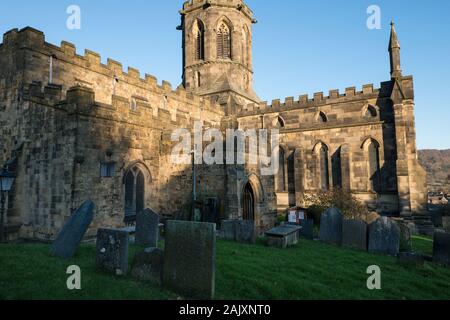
column 322, row 117
column 323, row 167
column 374, row 166
column 199, row 36
column 280, row 122
column 336, row 165
column 134, row 191
column 281, row 185
column 371, row 112
column 223, row 42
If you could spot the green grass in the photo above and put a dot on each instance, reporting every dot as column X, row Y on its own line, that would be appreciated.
column 310, row 270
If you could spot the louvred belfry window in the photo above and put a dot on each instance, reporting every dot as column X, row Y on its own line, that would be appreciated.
column 223, row 42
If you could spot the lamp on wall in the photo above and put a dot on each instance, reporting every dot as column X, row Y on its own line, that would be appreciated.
column 6, row 183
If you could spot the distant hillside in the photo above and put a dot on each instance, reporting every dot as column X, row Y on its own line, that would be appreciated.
column 437, row 164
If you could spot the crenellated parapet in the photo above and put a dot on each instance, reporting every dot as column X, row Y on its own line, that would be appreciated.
column 145, row 90
column 351, row 94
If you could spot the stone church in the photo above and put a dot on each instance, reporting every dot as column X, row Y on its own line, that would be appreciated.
column 74, row 128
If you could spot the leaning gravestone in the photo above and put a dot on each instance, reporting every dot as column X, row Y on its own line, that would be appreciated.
column 354, row 234
column 147, row 228
column 148, row 266
column 331, row 226
column 189, row 258
column 73, row 231
column 307, row 230
column 441, row 248
column 112, row 251
column 384, row 237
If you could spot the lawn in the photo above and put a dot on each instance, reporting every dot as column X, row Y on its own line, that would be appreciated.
column 310, row 270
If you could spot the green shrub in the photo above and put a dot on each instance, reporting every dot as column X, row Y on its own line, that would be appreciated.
column 350, row 207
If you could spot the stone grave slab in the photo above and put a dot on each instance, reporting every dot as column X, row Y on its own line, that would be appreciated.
column 331, row 226
column 73, row 231
column 147, row 228
column 354, row 234
column 112, row 251
column 384, row 237
column 441, row 248
column 148, row 266
column 283, row 236
column 189, row 258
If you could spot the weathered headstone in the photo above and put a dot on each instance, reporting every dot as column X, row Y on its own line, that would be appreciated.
column 238, row 230
column 441, row 248
column 446, row 223
column 307, row 230
column 189, row 258
column 112, row 251
column 245, row 231
column 228, row 229
column 147, row 228
column 354, row 234
column 384, row 236
column 73, row 231
column 405, row 237
column 148, row 266
column 283, row 236
column 331, row 226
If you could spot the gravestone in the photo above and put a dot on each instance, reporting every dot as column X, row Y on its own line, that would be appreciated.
column 112, row 251
column 354, row 234
column 331, row 226
column 441, row 248
column 147, row 228
column 384, row 237
column 148, row 266
column 405, row 237
column 446, row 223
column 228, row 229
column 189, row 258
column 245, row 231
column 307, row 230
column 73, row 231
column 283, row 236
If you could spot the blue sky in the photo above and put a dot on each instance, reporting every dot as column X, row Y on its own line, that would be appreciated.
column 299, row 46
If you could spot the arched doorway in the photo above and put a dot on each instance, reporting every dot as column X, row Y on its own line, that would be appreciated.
column 134, row 193
column 249, row 203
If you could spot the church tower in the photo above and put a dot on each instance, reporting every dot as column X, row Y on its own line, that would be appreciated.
column 217, row 51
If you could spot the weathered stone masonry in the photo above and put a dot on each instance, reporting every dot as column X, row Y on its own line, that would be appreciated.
column 73, row 128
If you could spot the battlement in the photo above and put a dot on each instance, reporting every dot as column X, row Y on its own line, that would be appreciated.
column 196, row 4
column 67, row 52
column 82, row 99
column 334, row 96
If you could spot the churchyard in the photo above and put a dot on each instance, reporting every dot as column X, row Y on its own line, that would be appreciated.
column 308, row 270
column 343, row 259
